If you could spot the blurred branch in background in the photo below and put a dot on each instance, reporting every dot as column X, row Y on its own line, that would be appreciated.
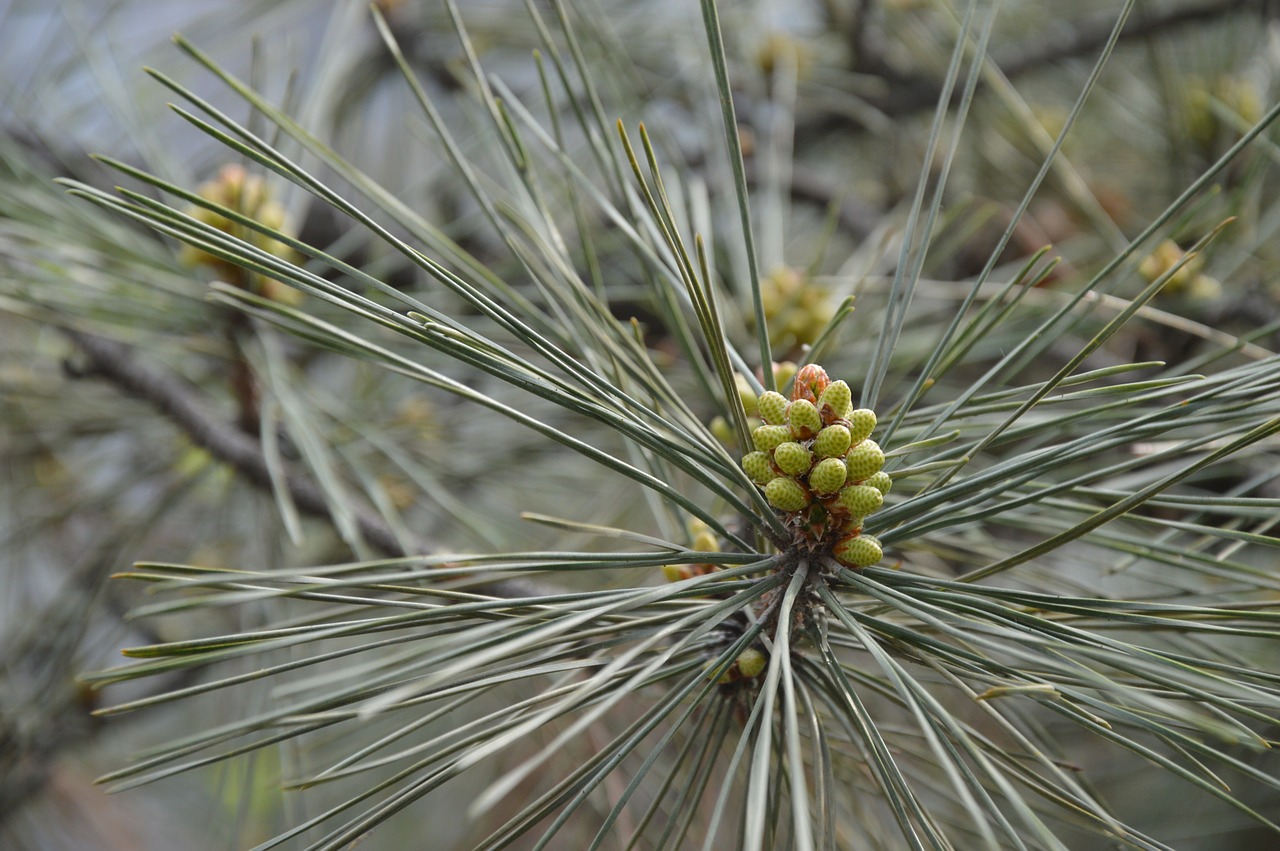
column 597, row 310
column 1057, row 40
column 182, row 404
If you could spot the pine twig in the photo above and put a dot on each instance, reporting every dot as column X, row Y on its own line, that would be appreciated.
column 908, row 94
column 184, row 407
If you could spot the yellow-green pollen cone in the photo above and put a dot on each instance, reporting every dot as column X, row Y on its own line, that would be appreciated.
column 836, row 401
column 786, row 494
column 880, row 481
column 757, row 466
column 861, row 423
column 772, row 406
column 817, row 465
column 767, row 437
column 858, row 551
column 864, row 460
column 804, row 419
column 832, row 442
column 860, row 500
column 828, row 475
column 792, row 458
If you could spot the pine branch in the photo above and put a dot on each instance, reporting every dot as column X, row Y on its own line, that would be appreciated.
column 1091, row 34
column 182, row 405
column 909, row 94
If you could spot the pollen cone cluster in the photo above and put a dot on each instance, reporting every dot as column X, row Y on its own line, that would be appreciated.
column 817, row 464
column 248, row 195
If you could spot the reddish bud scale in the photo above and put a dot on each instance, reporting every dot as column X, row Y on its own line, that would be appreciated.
column 681, row 572
column 810, row 383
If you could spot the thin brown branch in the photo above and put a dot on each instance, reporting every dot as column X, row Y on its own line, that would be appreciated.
column 184, row 406
column 907, row 94
column 1091, row 34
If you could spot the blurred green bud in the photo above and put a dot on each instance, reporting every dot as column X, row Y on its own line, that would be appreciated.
column 783, row 372
column 706, row 542
column 751, row 663
column 745, row 394
column 722, row 430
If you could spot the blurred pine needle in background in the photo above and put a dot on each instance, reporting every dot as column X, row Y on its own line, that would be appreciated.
column 639, row 425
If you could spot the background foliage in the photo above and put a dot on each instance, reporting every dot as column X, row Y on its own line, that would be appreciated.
column 1088, row 544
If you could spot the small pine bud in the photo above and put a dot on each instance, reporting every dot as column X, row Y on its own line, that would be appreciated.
column 828, row 476
column 706, row 542
column 757, row 467
column 722, row 431
column 767, row 437
column 835, row 401
column 864, row 460
column 786, row 494
column 811, row 381
column 858, row 551
column 674, row 572
column 804, row 419
column 746, row 395
column 832, row 442
column 751, row 663
column 861, row 423
column 783, row 372
column 859, row 500
column 880, row 481
column 773, row 407
column 792, row 458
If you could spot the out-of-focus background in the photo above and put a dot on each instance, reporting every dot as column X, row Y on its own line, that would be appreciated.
column 835, row 101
